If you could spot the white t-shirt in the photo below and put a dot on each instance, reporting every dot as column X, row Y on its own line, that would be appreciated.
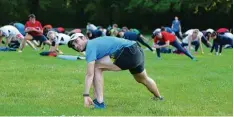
column 228, row 34
column 189, row 33
column 11, row 31
column 63, row 38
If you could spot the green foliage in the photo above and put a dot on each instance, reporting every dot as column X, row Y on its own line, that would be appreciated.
column 221, row 6
column 108, row 11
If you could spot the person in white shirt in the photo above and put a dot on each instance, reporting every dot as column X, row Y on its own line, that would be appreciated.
column 193, row 38
column 228, row 34
column 12, row 34
column 57, row 39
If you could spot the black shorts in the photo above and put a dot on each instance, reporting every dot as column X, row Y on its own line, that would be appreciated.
column 131, row 58
column 14, row 44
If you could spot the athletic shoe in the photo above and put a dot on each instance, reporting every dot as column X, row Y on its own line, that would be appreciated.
column 194, row 59
column 158, row 98
column 98, row 105
column 159, row 58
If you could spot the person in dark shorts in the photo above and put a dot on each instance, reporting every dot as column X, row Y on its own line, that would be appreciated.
column 128, row 56
column 219, row 41
column 33, row 30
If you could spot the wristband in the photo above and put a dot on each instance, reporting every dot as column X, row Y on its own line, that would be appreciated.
column 86, row 95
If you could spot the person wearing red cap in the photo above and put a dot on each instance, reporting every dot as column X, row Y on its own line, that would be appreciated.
column 34, row 30
column 164, row 39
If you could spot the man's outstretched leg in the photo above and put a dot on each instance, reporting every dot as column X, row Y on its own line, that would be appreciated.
column 148, row 82
column 98, row 85
column 103, row 64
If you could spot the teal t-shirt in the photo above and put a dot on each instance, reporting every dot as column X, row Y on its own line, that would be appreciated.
column 104, row 46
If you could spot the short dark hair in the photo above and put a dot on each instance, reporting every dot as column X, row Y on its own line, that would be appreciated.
column 31, row 16
column 70, row 43
column 213, row 34
column 163, row 28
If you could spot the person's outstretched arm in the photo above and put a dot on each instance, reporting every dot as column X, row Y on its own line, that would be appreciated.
column 88, row 83
column 139, row 39
column 165, row 45
column 201, row 45
column 213, row 46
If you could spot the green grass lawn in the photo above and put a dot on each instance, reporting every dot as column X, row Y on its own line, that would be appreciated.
column 33, row 85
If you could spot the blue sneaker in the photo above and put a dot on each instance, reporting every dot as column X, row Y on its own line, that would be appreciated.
column 98, row 105
column 194, row 59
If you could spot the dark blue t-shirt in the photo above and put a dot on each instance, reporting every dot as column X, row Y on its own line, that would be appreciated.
column 130, row 36
column 96, row 33
column 176, row 25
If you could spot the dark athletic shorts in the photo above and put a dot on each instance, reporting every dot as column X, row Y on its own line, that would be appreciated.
column 41, row 38
column 131, row 58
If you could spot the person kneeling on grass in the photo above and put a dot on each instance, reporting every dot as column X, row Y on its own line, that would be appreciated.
column 34, row 30
column 164, row 39
column 204, row 40
column 219, row 41
column 193, row 39
column 98, row 52
column 13, row 37
column 57, row 39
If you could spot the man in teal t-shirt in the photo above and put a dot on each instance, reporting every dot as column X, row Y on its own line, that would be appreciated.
column 127, row 54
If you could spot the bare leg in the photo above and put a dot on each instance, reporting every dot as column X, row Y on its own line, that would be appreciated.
column 94, row 89
column 27, row 39
column 35, row 42
column 31, row 44
column 103, row 64
column 106, row 64
column 148, row 82
column 47, row 42
column 98, row 85
column 22, row 44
